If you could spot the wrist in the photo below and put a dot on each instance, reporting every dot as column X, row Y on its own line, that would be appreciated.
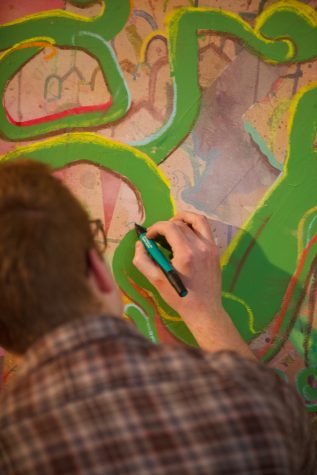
column 214, row 330
column 200, row 313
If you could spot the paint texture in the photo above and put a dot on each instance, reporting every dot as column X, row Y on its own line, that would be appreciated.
column 150, row 107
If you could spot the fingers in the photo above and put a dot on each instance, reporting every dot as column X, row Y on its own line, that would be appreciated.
column 198, row 222
column 173, row 233
column 145, row 264
column 184, row 231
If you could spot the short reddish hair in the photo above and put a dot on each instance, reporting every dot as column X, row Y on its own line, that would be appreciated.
column 44, row 240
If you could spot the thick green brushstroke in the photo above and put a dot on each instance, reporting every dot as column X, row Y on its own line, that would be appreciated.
column 82, row 3
column 144, row 324
column 62, row 26
column 298, row 336
column 306, row 389
column 287, row 21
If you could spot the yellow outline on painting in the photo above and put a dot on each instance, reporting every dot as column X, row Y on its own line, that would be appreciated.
column 168, row 317
column 305, row 11
column 90, row 137
column 175, row 18
column 47, row 42
column 146, row 41
column 234, row 298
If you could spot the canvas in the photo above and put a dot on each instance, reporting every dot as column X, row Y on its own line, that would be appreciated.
column 148, row 107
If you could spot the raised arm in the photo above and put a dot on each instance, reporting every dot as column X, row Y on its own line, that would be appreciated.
column 195, row 257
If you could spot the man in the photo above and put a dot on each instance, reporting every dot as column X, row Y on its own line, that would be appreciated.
column 95, row 397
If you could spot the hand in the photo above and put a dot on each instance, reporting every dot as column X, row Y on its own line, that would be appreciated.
column 196, row 260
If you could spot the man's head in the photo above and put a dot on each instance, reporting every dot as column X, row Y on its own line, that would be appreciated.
column 50, row 272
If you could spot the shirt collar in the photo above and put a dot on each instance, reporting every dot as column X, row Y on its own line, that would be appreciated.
column 72, row 335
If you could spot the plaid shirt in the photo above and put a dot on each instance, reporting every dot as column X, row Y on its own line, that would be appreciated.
column 95, row 397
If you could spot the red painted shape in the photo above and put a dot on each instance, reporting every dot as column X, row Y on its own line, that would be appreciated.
column 110, row 186
column 13, row 9
column 58, row 115
column 164, row 335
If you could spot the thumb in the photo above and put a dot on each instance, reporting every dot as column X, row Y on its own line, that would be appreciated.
column 145, row 264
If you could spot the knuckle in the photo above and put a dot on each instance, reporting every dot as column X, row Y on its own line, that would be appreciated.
column 202, row 219
column 173, row 224
column 188, row 257
column 205, row 250
column 171, row 228
column 175, row 221
column 179, row 225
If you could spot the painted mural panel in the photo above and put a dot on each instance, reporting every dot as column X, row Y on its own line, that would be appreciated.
column 209, row 105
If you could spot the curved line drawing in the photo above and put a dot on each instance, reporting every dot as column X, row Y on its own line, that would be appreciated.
column 147, row 17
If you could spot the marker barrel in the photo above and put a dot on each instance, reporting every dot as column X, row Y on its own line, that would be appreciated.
column 159, row 258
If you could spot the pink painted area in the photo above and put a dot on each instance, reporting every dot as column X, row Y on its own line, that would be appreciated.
column 12, row 9
column 110, row 185
column 6, row 147
column 1, row 352
column 58, row 115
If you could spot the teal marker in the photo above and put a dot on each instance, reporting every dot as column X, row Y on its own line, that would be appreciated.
column 161, row 261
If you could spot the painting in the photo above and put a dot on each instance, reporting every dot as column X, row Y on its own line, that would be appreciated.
column 147, row 107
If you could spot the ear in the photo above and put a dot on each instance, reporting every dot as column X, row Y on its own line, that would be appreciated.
column 99, row 275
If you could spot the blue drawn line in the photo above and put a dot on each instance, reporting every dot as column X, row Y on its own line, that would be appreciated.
column 256, row 137
column 147, row 17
